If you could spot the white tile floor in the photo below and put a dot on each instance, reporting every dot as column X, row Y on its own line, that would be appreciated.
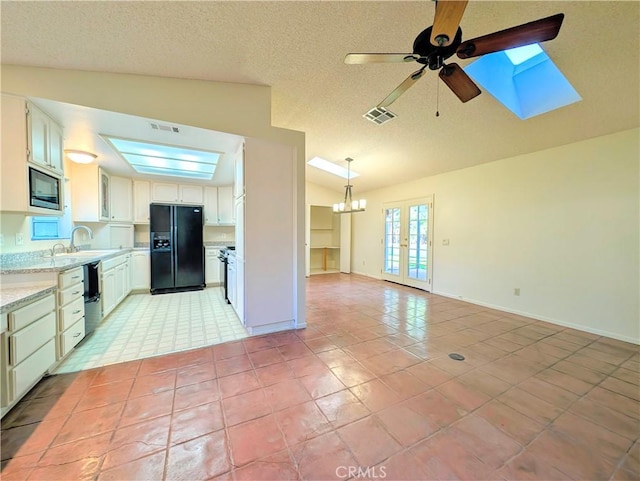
column 144, row 325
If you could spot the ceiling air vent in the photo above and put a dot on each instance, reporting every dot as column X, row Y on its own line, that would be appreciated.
column 165, row 128
column 379, row 115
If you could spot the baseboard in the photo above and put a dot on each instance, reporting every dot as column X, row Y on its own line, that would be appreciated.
column 364, row 274
column 271, row 328
column 579, row 327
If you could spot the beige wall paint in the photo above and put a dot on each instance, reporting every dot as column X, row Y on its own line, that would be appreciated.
column 561, row 224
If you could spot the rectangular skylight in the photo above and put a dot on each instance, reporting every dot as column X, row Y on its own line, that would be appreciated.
column 525, row 80
column 159, row 159
column 332, row 168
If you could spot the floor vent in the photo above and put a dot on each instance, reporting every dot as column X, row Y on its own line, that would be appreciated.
column 379, row 115
column 165, row 128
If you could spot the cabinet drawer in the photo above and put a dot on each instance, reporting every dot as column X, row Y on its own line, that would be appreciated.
column 26, row 315
column 71, row 337
column 70, row 277
column 70, row 313
column 71, row 294
column 24, row 375
column 26, row 341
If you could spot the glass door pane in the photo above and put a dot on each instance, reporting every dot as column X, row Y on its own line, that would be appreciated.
column 417, row 242
column 392, row 241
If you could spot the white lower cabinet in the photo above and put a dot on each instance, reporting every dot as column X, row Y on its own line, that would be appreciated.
column 140, row 270
column 70, row 329
column 211, row 266
column 116, row 282
column 231, row 280
column 27, row 349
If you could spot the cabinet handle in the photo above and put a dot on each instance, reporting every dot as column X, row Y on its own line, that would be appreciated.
column 74, row 293
column 76, row 312
column 79, row 334
column 75, row 277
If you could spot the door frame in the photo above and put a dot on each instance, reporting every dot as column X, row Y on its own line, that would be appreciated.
column 402, row 278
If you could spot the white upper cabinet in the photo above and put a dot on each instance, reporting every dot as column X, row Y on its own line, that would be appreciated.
column 141, row 201
column 239, row 173
column 210, row 206
column 191, row 194
column 164, row 192
column 18, row 145
column 121, row 204
column 90, row 193
column 225, row 205
column 170, row 193
column 45, row 140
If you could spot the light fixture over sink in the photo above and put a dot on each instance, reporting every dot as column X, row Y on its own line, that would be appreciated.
column 349, row 205
column 80, row 156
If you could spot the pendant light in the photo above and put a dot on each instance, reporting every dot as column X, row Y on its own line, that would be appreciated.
column 349, row 205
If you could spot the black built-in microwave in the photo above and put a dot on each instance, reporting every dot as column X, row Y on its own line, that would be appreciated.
column 45, row 190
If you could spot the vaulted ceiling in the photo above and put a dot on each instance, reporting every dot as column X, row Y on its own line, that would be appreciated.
column 298, row 48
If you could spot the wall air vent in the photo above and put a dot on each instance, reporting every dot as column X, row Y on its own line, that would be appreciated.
column 379, row 115
column 165, row 128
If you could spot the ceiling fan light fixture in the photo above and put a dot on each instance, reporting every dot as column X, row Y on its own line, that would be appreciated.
column 348, row 205
column 80, row 156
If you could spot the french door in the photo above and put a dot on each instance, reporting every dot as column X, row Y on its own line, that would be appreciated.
column 408, row 241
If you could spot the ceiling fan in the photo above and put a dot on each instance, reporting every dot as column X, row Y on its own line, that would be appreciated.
column 437, row 43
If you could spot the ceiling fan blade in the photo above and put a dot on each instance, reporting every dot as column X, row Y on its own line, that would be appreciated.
column 446, row 21
column 359, row 58
column 526, row 34
column 459, row 82
column 402, row 88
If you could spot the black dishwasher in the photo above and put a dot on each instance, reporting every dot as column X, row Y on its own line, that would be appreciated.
column 92, row 304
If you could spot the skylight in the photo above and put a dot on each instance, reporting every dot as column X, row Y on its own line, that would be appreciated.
column 524, row 79
column 332, row 168
column 159, row 159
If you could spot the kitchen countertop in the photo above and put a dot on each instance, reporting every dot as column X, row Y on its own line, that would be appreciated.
column 13, row 297
column 60, row 262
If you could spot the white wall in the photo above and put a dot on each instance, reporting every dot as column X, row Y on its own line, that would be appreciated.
column 561, row 224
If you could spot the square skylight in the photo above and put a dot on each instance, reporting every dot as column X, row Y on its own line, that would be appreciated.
column 331, row 167
column 160, row 159
column 524, row 79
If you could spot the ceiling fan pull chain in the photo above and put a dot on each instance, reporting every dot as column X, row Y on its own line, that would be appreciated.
column 438, row 97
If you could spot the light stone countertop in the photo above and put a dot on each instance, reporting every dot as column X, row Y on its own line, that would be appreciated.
column 15, row 296
column 60, row 262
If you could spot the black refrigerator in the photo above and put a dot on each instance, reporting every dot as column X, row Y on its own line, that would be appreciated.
column 177, row 250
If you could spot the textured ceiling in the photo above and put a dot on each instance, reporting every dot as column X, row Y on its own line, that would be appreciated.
column 297, row 48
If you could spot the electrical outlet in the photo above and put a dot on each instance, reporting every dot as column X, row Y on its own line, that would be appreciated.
column 516, row 291
column 445, row 242
column 19, row 239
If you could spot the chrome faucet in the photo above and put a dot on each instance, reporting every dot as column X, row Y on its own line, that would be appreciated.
column 72, row 247
column 53, row 249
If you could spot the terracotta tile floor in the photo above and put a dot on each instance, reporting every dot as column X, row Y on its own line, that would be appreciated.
column 365, row 391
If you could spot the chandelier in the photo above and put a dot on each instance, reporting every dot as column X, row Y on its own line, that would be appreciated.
column 349, row 205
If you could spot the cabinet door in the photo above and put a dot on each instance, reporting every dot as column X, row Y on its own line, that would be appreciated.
column 210, row 205
column 164, row 192
column 56, row 146
column 38, row 132
column 141, row 201
column 212, row 266
column 120, row 283
column 225, row 205
column 191, row 194
column 104, row 194
column 108, row 291
column 121, row 205
column 140, row 271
